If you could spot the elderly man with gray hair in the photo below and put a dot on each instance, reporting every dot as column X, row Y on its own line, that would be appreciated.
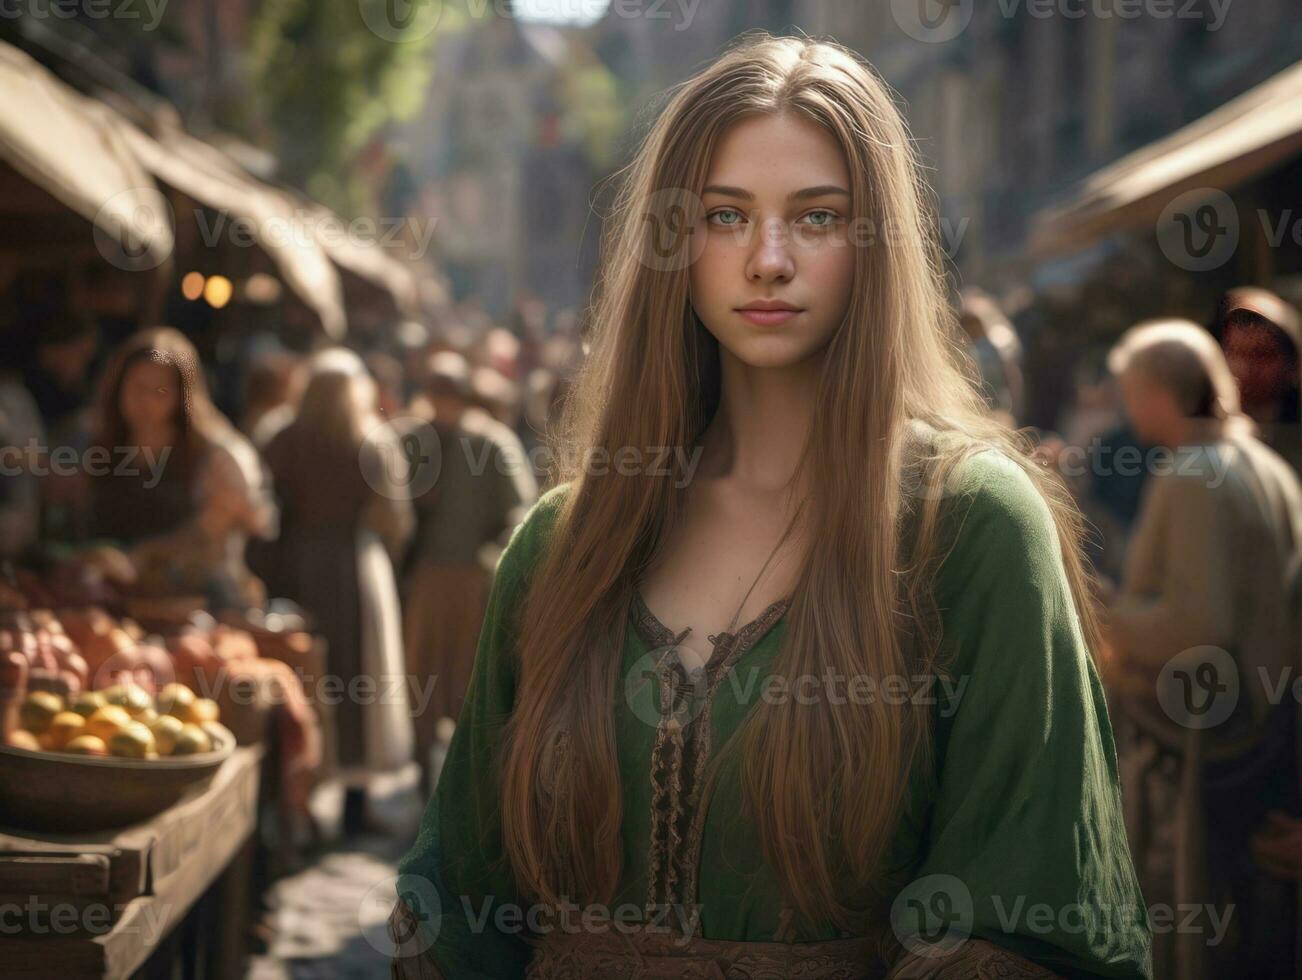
column 1202, row 633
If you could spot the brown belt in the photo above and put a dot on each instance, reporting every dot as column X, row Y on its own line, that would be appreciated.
column 642, row 955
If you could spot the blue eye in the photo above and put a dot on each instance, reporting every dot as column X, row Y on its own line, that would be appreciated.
column 726, row 213
column 829, row 217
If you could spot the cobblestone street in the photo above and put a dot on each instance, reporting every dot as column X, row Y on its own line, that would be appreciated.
column 328, row 920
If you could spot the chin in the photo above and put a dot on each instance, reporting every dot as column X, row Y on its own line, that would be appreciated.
column 772, row 350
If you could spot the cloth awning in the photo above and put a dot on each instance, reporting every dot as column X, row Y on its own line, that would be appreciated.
column 271, row 218
column 1238, row 141
column 50, row 139
column 359, row 252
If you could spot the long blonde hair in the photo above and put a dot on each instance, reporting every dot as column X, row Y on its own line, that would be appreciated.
column 339, row 401
column 826, row 787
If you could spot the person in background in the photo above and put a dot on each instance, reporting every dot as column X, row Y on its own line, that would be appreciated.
column 21, row 442
column 390, row 382
column 1262, row 335
column 496, row 394
column 57, row 373
column 1206, row 590
column 272, row 390
column 182, row 490
column 995, row 348
column 63, row 344
column 1095, row 430
column 345, row 518
column 484, row 487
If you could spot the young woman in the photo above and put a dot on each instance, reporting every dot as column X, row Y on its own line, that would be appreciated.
column 344, row 523
column 811, row 693
column 178, row 485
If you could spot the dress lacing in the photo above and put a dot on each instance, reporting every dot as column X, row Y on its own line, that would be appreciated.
column 682, row 747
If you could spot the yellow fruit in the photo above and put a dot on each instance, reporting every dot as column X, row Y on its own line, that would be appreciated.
column 22, row 739
column 175, row 699
column 86, row 745
column 201, row 710
column 218, row 734
column 130, row 696
column 191, row 741
column 135, row 741
column 166, row 729
column 147, row 717
column 87, row 703
column 107, row 722
column 66, row 726
column 113, row 694
column 39, row 710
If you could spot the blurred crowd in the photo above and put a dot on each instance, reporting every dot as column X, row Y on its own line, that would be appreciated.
column 374, row 487
column 1183, row 446
column 370, row 488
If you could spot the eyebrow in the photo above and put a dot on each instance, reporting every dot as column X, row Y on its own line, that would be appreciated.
column 822, row 190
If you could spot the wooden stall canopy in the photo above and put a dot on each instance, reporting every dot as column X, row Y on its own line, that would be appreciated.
column 282, row 228
column 1229, row 146
column 48, row 139
column 364, row 257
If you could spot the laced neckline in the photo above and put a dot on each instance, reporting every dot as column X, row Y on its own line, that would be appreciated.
column 657, row 634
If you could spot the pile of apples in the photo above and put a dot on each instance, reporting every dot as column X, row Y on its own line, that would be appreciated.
column 83, row 660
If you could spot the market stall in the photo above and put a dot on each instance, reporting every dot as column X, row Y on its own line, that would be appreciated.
column 169, row 893
column 378, row 288
column 71, row 193
column 246, row 226
column 146, row 759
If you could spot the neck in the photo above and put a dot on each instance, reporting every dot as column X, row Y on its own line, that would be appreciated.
column 763, row 422
column 1193, row 431
column 1264, row 413
column 154, row 439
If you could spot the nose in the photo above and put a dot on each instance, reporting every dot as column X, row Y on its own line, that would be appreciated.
column 770, row 258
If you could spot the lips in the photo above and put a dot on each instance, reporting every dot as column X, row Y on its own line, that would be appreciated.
column 770, row 304
column 768, row 312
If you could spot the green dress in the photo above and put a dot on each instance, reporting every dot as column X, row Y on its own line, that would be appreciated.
column 1018, row 836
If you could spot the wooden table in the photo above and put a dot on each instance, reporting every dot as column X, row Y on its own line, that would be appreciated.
column 98, row 905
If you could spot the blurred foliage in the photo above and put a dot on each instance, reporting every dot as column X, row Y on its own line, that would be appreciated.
column 327, row 83
column 593, row 112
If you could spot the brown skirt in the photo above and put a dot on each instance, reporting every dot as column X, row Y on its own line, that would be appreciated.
column 443, row 611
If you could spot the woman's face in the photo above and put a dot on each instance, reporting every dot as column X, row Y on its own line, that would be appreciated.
column 775, row 232
column 149, row 396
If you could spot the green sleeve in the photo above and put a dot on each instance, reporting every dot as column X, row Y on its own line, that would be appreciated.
column 456, row 877
column 1025, row 845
